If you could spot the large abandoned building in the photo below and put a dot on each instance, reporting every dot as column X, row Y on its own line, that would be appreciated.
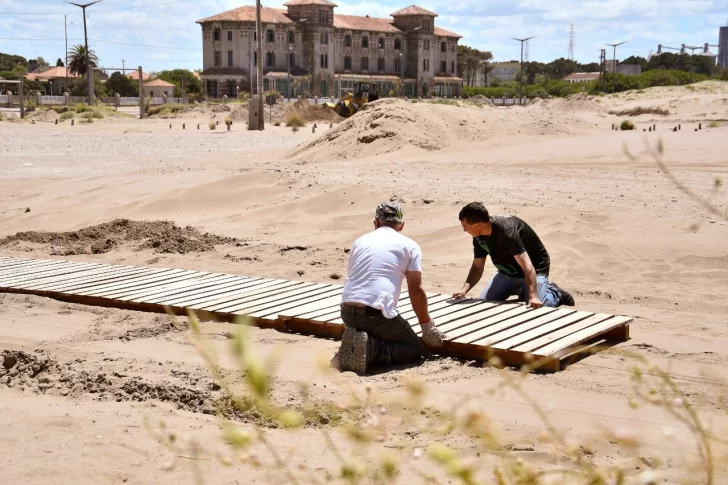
column 307, row 48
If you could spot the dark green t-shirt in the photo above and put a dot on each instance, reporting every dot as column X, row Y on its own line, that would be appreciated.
column 511, row 237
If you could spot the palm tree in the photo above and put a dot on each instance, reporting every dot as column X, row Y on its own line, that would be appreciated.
column 77, row 60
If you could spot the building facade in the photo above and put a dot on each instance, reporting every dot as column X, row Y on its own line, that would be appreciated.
column 723, row 47
column 308, row 49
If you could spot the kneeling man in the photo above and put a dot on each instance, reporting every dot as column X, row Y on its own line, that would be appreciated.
column 518, row 254
column 375, row 333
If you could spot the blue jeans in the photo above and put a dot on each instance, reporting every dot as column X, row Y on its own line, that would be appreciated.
column 501, row 286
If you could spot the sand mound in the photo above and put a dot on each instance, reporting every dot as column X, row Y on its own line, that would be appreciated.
column 579, row 102
column 310, row 112
column 382, row 126
column 158, row 236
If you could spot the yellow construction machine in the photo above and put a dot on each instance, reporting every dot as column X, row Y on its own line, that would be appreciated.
column 364, row 92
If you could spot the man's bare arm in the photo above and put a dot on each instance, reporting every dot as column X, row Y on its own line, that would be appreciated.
column 417, row 295
column 525, row 262
column 474, row 275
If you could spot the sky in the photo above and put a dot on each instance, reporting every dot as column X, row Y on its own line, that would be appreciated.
column 162, row 34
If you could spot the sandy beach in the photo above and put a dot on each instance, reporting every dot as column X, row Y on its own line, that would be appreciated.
column 622, row 237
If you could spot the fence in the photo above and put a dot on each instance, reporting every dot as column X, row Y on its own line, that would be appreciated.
column 3, row 98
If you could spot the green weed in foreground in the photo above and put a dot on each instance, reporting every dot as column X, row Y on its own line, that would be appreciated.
column 457, row 445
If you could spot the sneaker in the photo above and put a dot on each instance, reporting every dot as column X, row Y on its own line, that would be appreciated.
column 353, row 351
column 565, row 297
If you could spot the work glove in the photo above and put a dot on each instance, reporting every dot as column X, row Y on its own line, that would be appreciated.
column 431, row 335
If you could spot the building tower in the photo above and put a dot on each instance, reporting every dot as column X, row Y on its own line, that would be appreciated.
column 723, row 47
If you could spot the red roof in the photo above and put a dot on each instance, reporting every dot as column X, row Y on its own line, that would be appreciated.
column 135, row 75
column 414, row 10
column 292, row 3
column 357, row 22
column 158, row 83
column 247, row 14
column 446, row 33
column 52, row 73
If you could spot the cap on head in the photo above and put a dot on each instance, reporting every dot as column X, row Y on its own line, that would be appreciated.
column 389, row 213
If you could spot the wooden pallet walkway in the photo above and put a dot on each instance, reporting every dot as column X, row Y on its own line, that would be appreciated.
column 475, row 329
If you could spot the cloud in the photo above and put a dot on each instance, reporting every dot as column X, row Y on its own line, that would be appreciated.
column 485, row 25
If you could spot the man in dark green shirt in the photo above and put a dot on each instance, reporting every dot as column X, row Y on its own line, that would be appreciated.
column 519, row 255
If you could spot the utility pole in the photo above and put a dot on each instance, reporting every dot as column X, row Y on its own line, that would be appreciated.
column 123, row 65
column 259, row 30
column 614, row 62
column 89, row 71
column 520, row 84
column 65, row 28
column 141, row 94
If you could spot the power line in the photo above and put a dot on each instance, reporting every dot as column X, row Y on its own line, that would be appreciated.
column 143, row 45
column 45, row 14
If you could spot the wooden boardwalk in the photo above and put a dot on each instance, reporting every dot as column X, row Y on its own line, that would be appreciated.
column 475, row 329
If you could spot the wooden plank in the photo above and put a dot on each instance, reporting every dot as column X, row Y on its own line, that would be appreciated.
column 555, row 334
column 247, row 293
column 14, row 276
column 258, row 295
column 212, row 295
column 432, row 307
column 49, row 282
column 162, row 282
column 508, row 328
column 453, row 311
column 114, row 288
column 73, row 284
column 448, row 319
column 202, row 286
column 464, row 334
column 19, row 265
column 529, row 330
column 270, row 310
column 238, row 306
column 154, row 295
column 470, row 323
column 325, row 304
column 582, row 335
column 49, row 276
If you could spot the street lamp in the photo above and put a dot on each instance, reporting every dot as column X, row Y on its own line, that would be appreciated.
column 614, row 61
column 520, row 85
column 89, row 71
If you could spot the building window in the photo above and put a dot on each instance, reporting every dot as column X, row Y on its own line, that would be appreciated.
column 397, row 64
column 216, row 34
column 270, row 36
column 347, row 63
column 230, row 58
column 324, row 16
column 255, row 35
column 426, row 65
column 427, row 45
column 380, row 64
column 347, row 41
column 452, row 68
column 271, row 59
column 443, row 66
column 380, row 43
column 291, row 37
column 452, row 48
column 218, row 58
column 324, row 61
column 230, row 35
column 292, row 60
column 324, row 38
column 364, row 63
column 255, row 58
column 397, row 44
column 365, row 42
column 443, row 47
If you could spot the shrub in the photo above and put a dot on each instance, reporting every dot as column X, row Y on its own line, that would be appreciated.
column 212, row 125
column 228, row 121
column 626, row 125
column 92, row 114
column 67, row 115
column 30, row 106
column 165, row 109
column 639, row 110
column 714, row 124
column 295, row 120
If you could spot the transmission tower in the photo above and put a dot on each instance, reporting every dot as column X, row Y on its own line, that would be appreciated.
column 571, row 42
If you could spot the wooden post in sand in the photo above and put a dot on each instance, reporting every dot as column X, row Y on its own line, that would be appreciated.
column 22, row 100
column 141, row 94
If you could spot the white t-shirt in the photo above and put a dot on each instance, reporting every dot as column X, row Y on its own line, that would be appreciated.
column 377, row 265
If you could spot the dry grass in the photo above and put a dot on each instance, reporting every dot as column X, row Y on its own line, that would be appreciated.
column 639, row 110
column 295, row 120
column 212, row 125
column 626, row 125
column 715, row 124
column 167, row 109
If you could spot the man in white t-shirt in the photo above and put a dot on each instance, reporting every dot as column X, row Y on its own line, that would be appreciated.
column 375, row 333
